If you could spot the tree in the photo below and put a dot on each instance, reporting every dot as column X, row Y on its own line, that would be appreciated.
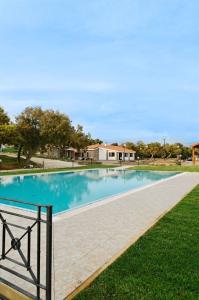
column 29, row 128
column 56, row 130
column 186, row 152
column 80, row 139
column 6, row 130
column 141, row 150
column 8, row 134
column 173, row 150
column 154, row 150
column 4, row 119
column 94, row 141
column 131, row 146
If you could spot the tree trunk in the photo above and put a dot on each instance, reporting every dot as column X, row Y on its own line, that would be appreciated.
column 19, row 154
column 169, row 156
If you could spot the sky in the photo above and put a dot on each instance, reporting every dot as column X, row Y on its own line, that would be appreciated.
column 125, row 70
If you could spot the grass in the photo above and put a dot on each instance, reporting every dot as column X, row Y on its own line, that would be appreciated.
column 10, row 150
column 162, row 265
column 33, row 171
column 9, row 163
column 168, row 168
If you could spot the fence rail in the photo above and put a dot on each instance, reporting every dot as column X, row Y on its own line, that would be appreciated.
column 37, row 218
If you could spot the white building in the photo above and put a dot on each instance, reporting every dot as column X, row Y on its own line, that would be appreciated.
column 103, row 152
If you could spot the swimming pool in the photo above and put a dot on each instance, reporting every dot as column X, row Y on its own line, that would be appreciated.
column 69, row 190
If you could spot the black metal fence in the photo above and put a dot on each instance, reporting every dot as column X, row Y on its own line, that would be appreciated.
column 42, row 215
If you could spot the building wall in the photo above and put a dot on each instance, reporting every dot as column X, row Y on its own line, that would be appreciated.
column 102, row 154
column 133, row 157
column 128, row 157
column 93, row 154
column 112, row 157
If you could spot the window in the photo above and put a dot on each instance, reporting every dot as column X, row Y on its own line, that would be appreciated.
column 126, row 154
column 131, row 154
column 111, row 154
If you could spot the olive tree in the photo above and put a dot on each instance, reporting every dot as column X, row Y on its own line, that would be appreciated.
column 56, row 130
column 29, row 128
column 4, row 119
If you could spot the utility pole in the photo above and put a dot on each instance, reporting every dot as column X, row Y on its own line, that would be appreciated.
column 164, row 139
column 164, row 143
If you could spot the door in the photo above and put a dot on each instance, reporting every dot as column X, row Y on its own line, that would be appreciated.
column 120, row 155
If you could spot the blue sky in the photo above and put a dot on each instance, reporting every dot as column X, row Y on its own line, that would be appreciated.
column 126, row 70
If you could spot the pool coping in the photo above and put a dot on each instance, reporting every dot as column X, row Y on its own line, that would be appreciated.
column 76, row 211
column 99, row 202
column 90, row 169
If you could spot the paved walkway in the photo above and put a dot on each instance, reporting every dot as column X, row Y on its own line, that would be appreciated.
column 87, row 239
column 54, row 163
column 48, row 163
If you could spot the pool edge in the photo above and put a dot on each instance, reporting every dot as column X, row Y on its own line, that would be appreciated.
column 76, row 211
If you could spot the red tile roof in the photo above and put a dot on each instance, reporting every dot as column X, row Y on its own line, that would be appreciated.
column 110, row 147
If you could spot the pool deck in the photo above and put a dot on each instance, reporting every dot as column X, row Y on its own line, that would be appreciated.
column 88, row 239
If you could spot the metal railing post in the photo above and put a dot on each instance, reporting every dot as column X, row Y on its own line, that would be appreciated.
column 38, row 250
column 3, row 240
column 49, row 253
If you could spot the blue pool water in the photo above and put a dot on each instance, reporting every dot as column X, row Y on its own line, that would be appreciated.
column 70, row 190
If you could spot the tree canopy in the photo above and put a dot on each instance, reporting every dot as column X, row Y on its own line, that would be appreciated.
column 46, row 129
column 158, row 150
column 8, row 134
column 7, row 130
column 56, row 129
column 37, row 129
column 4, row 119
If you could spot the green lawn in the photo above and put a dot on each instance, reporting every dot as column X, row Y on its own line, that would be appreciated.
column 31, row 171
column 10, row 150
column 168, row 168
column 9, row 163
column 162, row 265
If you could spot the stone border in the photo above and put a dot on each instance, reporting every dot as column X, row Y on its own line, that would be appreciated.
column 76, row 211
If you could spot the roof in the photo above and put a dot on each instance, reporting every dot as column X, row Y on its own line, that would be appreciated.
column 71, row 149
column 110, row 147
column 195, row 145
